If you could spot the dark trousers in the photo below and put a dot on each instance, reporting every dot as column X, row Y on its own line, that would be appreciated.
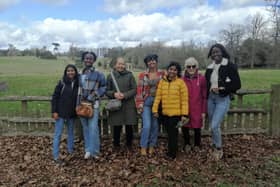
column 172, row 133
column 117, row 133
column 197, row 136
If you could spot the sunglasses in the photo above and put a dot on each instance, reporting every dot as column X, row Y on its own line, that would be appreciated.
column 189, row 67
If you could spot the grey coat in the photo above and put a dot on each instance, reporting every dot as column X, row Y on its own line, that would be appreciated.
column 127, row 85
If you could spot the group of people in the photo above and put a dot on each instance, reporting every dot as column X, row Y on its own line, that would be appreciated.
column 180, row 99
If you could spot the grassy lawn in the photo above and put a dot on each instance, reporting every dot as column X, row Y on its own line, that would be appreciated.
column 31, row 76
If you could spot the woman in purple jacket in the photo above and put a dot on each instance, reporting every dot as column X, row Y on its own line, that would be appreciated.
column 196, row 84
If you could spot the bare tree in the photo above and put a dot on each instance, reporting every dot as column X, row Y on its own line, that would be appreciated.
column 274, row 9
column 257, row 23
column 233, row 36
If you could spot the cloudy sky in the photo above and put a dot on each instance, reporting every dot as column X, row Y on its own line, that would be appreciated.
column 108, row 23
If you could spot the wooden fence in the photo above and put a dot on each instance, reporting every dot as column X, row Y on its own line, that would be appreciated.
column 239, row 119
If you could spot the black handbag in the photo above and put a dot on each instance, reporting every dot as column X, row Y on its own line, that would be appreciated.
column 114, row 104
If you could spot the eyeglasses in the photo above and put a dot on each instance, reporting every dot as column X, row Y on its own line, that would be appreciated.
column 189, row 67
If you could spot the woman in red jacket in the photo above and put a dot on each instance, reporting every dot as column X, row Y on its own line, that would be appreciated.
column 196, row 84
column 146, row 91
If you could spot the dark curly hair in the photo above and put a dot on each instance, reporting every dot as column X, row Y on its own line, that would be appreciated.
column 225, row 54
column 178, row 67
column 149, row 58
column 89, row 52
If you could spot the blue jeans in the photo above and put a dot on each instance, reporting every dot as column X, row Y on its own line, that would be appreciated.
column 91, row 133
column 149, row 132
column 59, row 124
column 217, row 108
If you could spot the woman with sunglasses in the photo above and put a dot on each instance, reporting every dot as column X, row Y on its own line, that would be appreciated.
column 196, row 85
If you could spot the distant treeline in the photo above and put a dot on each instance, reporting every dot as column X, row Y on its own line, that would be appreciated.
column 264, row 55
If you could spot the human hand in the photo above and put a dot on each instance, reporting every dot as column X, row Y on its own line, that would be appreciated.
column 121, row 96
column 90, row 98
column 184, row 120
column 140, row 109
column 156, row 115
column 117, row 95
column 215, row 90
column 203, row 115
column 55, row 116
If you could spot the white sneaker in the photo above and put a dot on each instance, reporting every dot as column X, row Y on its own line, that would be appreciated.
column 87, row 155
column 218, row 154
column 96, row 157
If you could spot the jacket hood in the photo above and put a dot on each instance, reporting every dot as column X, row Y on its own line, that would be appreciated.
column 223, row 63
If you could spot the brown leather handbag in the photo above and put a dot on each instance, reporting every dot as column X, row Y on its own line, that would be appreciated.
column 85, row 109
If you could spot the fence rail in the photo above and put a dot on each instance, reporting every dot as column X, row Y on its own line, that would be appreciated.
column 238, row 120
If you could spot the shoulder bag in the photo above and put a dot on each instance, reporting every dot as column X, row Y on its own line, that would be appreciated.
column 114, row 104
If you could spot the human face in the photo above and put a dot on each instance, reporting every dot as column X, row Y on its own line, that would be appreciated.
column 217, row 55
column 70, row 73
column 152, row 64
column 191, row 69
column 88, row 60
column 172, row 72
column 120, row 65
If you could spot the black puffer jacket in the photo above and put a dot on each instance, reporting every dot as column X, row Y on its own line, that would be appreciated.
column 64, row 98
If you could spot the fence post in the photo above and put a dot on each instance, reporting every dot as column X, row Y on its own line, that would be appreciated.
column 24, row 106
column 275, row 110
column 240, row 100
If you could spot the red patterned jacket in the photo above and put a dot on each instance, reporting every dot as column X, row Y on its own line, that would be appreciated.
column 143, row 89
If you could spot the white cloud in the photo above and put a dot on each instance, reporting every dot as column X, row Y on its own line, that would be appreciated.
column 7, row 3
column 142, row 6
column 201, row 24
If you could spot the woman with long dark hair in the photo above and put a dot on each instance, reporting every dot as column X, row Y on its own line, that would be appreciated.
column 63, row 105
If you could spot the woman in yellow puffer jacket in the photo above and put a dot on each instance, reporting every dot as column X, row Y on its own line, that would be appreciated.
column 172, row 93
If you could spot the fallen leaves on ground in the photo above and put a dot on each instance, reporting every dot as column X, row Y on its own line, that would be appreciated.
column 248, row 160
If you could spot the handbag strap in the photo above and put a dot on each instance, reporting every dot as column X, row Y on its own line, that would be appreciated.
column 114, row 81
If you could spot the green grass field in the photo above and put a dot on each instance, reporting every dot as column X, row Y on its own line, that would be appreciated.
column 30, row 76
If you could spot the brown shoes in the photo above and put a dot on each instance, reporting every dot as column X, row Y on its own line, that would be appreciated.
column 151, row 150
column 143, row 151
